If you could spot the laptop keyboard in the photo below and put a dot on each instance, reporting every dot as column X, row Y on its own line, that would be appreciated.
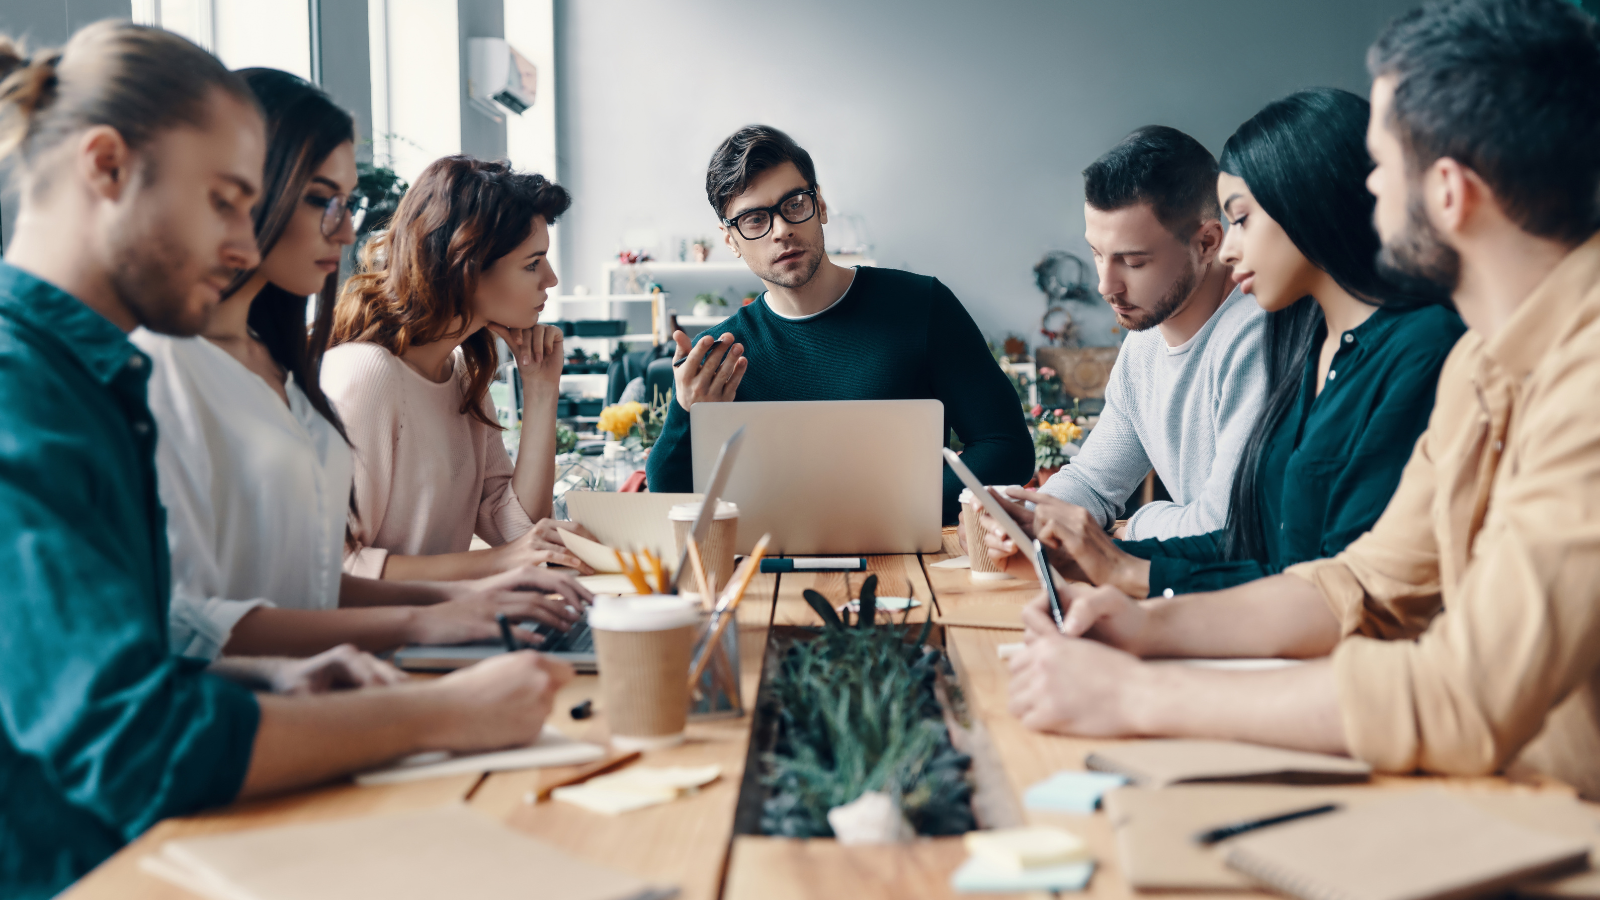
column 577, row 639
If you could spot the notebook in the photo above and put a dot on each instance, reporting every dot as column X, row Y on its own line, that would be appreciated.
column 551, row 749
column 1420, row 845
column 1158, row 763
column 629, row 521
column 1154, row 829
column 449, row 852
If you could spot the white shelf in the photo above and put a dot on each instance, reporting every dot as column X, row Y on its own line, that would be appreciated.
column 661, row 265
column 613, row 337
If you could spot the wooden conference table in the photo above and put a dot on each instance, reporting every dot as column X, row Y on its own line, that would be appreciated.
column 690, row 842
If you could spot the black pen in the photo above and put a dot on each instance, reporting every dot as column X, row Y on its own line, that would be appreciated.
column 505, row 633
column 685, row 358
column 1207, row 838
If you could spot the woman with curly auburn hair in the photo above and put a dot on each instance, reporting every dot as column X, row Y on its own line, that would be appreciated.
column 464, row 259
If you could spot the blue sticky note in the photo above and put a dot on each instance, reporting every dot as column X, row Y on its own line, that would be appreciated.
column 1071, row 792
column 979, row 877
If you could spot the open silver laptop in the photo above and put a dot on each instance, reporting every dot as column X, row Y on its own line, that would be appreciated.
column 830, row 477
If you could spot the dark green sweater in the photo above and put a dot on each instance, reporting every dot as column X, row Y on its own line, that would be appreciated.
column 893, row 336
column 1331, row 465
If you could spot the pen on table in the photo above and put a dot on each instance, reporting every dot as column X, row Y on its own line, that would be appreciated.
column 814, row 564
column 685, row 358
column 512, row 645
column 1207, row 838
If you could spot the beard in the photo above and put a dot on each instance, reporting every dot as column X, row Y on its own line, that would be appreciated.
column 1144, row 320
column 797, row 278
column 158, row 279
column 1418, row 259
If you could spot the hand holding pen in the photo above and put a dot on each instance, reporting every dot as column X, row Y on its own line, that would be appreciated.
column 709, row 371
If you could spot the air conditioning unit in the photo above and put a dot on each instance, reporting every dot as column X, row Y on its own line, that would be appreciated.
column 500, row 80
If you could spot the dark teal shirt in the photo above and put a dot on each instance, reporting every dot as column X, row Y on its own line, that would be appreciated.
column 1331, row 465
column 102, row 730
column 892, row 336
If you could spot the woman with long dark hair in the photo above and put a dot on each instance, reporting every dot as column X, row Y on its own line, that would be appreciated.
column 1353, row 362
column 253, row 463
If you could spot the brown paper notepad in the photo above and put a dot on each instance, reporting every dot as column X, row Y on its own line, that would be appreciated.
column 1164, row 762
column 449, row 852
column 1155, row 830
column 1421, row 845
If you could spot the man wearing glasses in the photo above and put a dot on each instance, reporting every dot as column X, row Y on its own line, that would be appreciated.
column 825, row 332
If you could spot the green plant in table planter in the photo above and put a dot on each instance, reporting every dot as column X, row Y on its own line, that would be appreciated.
column 857, row 712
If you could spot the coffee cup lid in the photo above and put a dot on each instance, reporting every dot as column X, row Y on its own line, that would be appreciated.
column 653, row 613
column 687, row 512
column 967, row 498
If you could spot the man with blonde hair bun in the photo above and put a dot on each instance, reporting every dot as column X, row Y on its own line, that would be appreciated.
column 139, row 157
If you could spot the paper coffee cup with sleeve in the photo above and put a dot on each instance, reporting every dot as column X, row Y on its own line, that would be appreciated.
column 718, row 551
column 982, row 567
column 643, row 647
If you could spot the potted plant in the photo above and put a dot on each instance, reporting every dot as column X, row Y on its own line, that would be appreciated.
column 709, row 304
column 1056, row 433
column 635, row 424
column 701, row 248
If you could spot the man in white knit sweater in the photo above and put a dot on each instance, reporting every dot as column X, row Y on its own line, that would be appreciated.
column 1190, row 379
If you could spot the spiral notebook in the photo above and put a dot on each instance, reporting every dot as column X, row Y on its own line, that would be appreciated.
column 1423, row 845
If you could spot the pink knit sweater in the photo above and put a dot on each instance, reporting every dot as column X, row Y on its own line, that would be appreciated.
column 427, row 477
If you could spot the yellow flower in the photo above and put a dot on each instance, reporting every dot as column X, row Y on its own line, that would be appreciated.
column 619, row 420
column 1064, row 432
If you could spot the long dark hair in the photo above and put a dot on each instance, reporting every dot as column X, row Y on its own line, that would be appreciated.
column 1305, row 159
column 303, row 126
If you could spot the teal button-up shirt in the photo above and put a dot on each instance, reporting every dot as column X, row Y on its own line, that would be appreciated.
column 1331, row 465
column 102, row 730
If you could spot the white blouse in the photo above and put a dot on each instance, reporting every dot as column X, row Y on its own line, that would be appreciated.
column 257, row 493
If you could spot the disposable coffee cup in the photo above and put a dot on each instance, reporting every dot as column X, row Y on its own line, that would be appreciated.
column 982, row 567
column 643, row 645
column 717, row 552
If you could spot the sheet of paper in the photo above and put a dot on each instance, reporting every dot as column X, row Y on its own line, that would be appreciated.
column 552, row 749
column 960, row 562
column 636, row 788
column 1071, row 792
column 607, row 584
column 629, row 521
column 600, row 558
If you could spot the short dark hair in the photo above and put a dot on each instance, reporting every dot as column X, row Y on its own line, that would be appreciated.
column 1163, row 167
column 747, row 153
column 1509, row 89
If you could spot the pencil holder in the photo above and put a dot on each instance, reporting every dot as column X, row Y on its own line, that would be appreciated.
column 718, row 688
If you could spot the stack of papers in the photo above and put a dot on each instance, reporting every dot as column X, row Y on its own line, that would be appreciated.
column 1023, row 859
column 637, row 788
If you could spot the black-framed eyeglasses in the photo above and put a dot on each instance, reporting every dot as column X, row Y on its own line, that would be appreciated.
column 754, row 224
column 334, row 209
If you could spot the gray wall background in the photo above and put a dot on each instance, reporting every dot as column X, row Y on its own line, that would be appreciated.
column 46, row 23
column 957, row 129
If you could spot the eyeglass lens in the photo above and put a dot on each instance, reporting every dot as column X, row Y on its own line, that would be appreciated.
column 755, row 224
column 333, row 214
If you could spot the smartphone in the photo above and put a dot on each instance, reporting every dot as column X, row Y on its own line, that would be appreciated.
column 1047, row 578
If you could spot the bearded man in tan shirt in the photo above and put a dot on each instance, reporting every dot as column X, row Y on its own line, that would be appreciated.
column 1462, row 634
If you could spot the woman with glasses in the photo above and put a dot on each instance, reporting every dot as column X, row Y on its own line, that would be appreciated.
column 254, row 467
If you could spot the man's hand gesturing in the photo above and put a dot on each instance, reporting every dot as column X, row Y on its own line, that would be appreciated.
column 716, row 379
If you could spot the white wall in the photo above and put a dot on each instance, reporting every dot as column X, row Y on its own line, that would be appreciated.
column 957, row 129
